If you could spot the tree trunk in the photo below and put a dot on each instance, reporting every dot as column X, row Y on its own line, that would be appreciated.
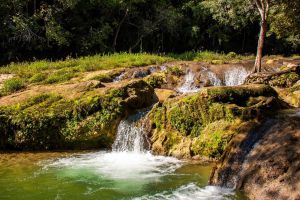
column 118, row 30
column 260, row 46
column 263, row 8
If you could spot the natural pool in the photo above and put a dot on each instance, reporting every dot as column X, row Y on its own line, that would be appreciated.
column 104, row 176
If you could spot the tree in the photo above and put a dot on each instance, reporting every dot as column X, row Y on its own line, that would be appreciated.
column 263, row 8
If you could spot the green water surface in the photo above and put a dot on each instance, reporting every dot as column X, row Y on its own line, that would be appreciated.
column 27, row 176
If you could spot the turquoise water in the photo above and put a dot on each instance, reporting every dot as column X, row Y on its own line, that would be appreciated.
column 104, row 176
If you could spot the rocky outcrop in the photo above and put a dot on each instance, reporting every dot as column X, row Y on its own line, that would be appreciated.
column 285, row 78
column 49, row 121
column 203, row 124
column 268, row 169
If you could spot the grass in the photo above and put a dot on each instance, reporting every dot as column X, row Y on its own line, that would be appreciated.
column 12, row 85
column 211, row 57
column 59, row 71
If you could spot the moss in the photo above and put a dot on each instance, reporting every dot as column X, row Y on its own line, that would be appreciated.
column 191, row 113
column 51, row 122
column 285, row 80
column 213, row 139
column 107, row 77
column 176, row 71
column 237, row 94
column 209, row 118
column 156, row 80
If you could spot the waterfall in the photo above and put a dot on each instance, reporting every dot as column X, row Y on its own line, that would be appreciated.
column 130, row 137
column 188, row 85
column 214, row 80
column 232, row 77
column 120, row 77
column 235, row 76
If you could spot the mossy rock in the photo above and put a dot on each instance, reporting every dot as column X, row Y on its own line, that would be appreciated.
column 283, row 79
column 208, row 119
column 51, row 122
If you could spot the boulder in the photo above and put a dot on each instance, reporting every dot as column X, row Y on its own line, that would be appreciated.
column 283, row 79
column 263, row 161
column 49, row 121
column 204, row 123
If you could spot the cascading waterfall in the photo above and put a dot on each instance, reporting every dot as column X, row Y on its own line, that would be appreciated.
column 129, row 136
column 235, row 76
column 120, row 77
column 214, row 80
column 132, row 172
column 232, row 77
column 188, row 85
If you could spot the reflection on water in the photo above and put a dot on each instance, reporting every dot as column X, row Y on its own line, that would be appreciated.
column 103, row 176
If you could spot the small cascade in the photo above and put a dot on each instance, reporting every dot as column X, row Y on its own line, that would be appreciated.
column 120, row 77
column 235, row 76
column 163, row 68
column 188, row 85
column 130, row 137
column 214, row 80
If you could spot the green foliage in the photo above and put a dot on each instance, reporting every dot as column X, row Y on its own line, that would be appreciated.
column 58, row 29
column 60, row 71
column 13, row 85
column 60, row 76
column 40, row 77
column 212, row 57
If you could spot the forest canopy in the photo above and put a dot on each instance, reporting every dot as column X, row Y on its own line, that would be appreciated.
column 34, row 29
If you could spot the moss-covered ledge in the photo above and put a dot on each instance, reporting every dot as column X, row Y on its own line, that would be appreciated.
column 49, row 121
column 203, row 124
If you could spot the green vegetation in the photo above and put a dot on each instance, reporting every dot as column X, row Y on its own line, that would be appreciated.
column 176, row 71
column 207, row 121
column 53, row 72
column 12, row 85
column 60, row 29
column 212, row 57
column 48, row 121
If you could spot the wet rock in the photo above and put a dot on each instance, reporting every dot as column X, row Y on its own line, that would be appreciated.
column 139, row 94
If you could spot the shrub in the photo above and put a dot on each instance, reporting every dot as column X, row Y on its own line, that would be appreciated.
column 38, row 78
column 60, row 76
column 13, row 85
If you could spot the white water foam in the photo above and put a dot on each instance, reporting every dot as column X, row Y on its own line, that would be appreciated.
column 235, row 76
column 120, row 165
column 129, row 138
column 188, row 85
column 163, row 68
column 214, row 80
column 192, row 192
column 120, row 77
column 129, row 159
